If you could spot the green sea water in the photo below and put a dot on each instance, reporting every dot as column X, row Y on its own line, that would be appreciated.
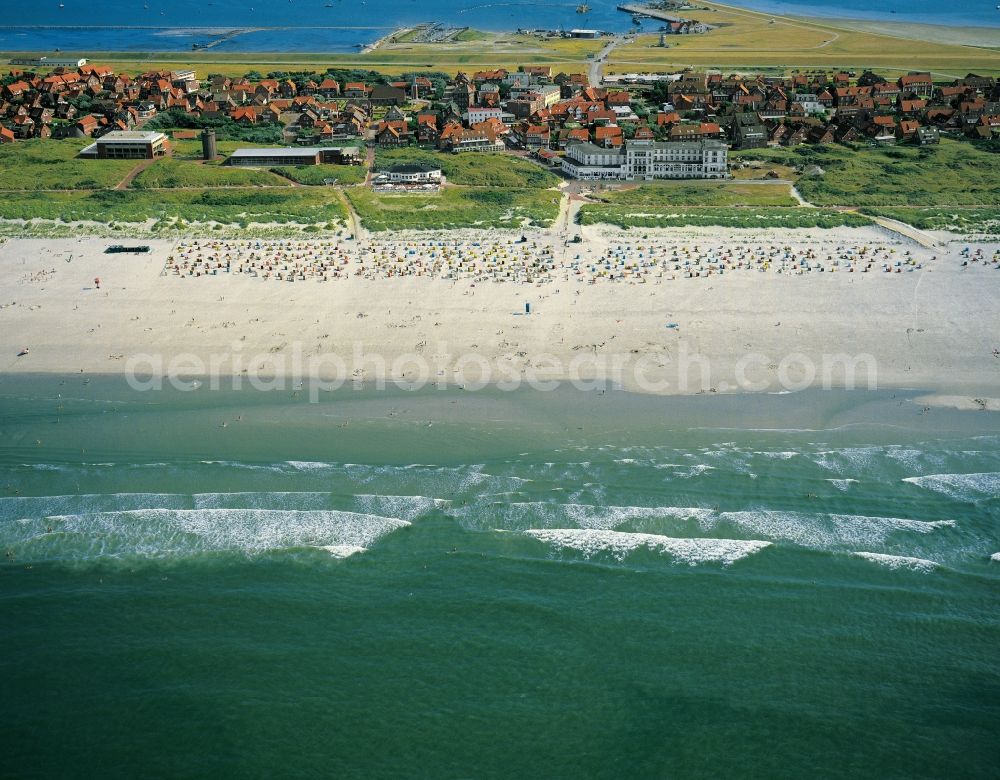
column 478, row 585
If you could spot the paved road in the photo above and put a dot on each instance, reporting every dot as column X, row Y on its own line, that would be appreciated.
column 594, row 72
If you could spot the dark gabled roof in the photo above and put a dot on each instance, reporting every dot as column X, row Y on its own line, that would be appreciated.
column 385, row 91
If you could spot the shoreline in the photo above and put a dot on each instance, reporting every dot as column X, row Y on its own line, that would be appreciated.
column 877, row 17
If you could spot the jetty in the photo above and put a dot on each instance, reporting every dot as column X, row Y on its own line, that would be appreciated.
column 649, row 12
column 222, row 38
column 675, row 25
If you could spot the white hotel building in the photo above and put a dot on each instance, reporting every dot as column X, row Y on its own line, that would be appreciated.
column 645, row 160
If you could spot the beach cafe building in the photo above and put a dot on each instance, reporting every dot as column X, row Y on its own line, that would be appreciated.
column 128, row 145
column 413, row 173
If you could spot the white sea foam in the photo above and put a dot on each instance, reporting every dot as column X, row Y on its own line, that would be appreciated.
column 855, row 459
column 522, row 515
column 961, row 487
column 995, row 557
column 310, row 465
column 618, row 544
column 405, row 507
column 695, row 470
column 300, row 500
column 842, row 484
column 827, row 530
column 342, row 550
column 898, row 561
column 158, row 533
column 909, row 458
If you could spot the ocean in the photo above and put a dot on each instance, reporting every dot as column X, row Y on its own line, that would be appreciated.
column 458, row 584
column 342, row 25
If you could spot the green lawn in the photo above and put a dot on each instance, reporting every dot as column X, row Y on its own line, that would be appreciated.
column 751, row 217
column 953, row 173
column 317, row 174
column 667, row 195
column 169, row 172
column 474, row 169
column 53, row 165
column 235, row 207
column 455, row 208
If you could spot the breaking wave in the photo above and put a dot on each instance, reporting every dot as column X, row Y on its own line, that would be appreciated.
column 529, row 514
column 168, row 533
column 962, row 487
column 618, row 544
column 896, row 562
column 825, row 530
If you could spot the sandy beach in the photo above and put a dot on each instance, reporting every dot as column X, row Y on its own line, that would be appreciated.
column 678, row 311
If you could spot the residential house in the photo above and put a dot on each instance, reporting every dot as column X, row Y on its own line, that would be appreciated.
column 356, row 90
column 385, row 95
column 392, row 133
column 919, row 84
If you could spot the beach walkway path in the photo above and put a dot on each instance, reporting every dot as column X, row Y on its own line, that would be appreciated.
column 922, row 238
column 352, row 215
column 125, row 183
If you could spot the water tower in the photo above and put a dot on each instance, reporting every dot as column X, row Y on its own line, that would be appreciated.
column 208, row 150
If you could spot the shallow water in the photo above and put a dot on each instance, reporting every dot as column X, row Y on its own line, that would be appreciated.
column 455, row 584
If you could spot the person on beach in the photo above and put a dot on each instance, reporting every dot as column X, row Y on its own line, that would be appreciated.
column 97, row 282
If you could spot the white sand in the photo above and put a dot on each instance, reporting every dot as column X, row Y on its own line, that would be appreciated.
column 934, row 328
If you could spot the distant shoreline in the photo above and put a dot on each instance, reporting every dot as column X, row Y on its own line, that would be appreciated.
column 852, row 16
column 987, row 36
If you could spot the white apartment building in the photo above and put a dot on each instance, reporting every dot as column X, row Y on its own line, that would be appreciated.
column 549, row 93
column 587, row 161
column 477, row 114
column 647, row 160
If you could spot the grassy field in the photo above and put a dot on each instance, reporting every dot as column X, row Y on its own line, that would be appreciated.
column 763, row 217
column 169, row 172
column 455, row 208
column 316, row 175
column 667, row 195
column 53, row 165
column 955, row 220
column 474, row 169
column 951, row 174
column 756, row 40
column 236, row 207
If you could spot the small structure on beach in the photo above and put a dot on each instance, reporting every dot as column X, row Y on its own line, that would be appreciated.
column 402, row 177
